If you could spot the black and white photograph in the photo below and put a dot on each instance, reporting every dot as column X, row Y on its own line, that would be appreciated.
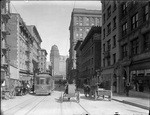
column 75, row 57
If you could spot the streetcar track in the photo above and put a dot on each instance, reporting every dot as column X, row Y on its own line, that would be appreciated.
column 35, row 106
column 86, row 112
column 18, row 104
column 21, row 106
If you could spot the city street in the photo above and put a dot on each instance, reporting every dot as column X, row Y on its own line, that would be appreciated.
column 51, row 105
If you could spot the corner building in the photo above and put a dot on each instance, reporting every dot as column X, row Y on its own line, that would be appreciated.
column 81, row 22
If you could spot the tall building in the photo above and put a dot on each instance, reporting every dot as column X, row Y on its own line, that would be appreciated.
column 20, row 41
column 134, row 39
column 54, row 58
column 42, row 61
column 110, row 44
column 81, row 22
column 5, row 16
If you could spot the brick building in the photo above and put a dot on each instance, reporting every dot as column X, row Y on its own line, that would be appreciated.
column 89, row 60
column 81, row 22
column 110, row 44
column 134, row 18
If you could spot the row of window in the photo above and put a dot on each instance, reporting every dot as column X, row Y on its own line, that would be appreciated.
column 109, row 12
column 135, row 46
column 109, row 44
column 107, row 61
column 109, row 27
column 89, row 21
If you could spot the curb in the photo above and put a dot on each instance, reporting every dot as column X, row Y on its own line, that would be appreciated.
column 133, row 104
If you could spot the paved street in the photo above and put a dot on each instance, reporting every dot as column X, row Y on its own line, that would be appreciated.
column 51, row 105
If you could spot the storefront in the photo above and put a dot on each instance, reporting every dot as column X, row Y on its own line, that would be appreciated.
column 140, row 80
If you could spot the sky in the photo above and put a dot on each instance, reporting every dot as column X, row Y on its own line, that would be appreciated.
column 52, row 20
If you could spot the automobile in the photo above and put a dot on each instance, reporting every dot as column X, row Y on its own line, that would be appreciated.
column 19, row 90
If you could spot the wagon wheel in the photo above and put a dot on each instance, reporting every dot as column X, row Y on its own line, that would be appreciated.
column 78, row 97
column 61, row 98
column 95, row 95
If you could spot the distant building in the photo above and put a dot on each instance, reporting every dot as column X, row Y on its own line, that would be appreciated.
column 54, row 58
column 62, row 66
column 42, row 60
column 81, row 22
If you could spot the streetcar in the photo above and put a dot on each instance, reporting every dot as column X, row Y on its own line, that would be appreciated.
column 43, row 84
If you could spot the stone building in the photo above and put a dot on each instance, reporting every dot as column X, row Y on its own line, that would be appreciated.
column 5, row 16
column 89, row 58
column 20, row 41
column 81, row 22
column 134, row 39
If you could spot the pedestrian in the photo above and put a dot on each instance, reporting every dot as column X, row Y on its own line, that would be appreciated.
column 127, row 89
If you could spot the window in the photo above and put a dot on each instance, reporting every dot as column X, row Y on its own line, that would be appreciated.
column 108, row 45
column 103, row 33
column 108, row 28
column 87, row 21
column 81, row 35
column 103, row 62
column 103, row 47
column 135, row 46
column 145, row 17
column 114, row 41
column 109, row 12
column 103, row 18
column 124, row 29
column 81, row 29
column 115, row 6
column 92, row 21
column 98, row 22
column 134, row 21
column 80, row 21
column 108, row 61
column 124, row 51
column 114, row 21
column 114, row 58
column 77, row 34
column 146, row 42
column 77, row 21
column 124, row 8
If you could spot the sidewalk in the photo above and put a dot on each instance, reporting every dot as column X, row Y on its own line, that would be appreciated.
column 131, row 100
column 143, row 103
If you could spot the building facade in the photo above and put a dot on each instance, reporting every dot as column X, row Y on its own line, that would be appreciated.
column 35, row 49
column 54, row 59
column 42, row 61
column 90, row 57
column 20, row 41
column 110, row 44
column 134, row 18
column 81, row 22
column 62, row 66
column 5, row 16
